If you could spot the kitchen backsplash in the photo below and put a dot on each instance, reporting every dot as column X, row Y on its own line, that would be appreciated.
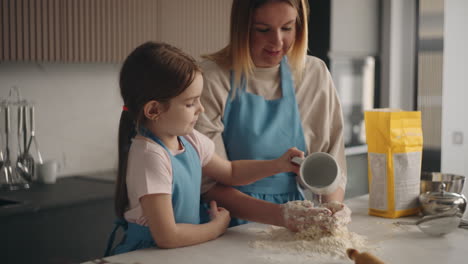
column 78, row 108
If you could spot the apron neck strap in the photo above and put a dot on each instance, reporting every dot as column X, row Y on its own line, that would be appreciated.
column 285, row 76
column 147, row 133
column 287, row 83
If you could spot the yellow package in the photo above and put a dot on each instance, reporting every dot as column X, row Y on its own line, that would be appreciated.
column 394, row 140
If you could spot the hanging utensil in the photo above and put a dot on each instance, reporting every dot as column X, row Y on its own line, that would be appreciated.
column 2, row 156
column 20, row 130
column 2, row 145
column 25, row 126
column 7, row 169
column 28, row 158
column 9, row 180
column 25, row 162
column 21, row 167
column 33, row 136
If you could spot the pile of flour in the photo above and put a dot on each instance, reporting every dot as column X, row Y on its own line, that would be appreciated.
column 312, row 241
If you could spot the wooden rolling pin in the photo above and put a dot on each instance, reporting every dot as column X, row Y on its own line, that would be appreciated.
column 362, row 258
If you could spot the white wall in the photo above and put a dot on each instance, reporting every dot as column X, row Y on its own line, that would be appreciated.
column 197, row 27
column 77, row 111
column 455, row 89
column 354, row 27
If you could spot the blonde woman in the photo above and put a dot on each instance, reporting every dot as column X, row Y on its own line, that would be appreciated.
column 263, row 95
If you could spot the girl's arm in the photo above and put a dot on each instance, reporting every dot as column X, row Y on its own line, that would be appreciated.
column 242, row 172
column 168, row 234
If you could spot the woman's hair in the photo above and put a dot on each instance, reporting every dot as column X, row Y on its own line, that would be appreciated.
column 236, row 55
column 153, row 71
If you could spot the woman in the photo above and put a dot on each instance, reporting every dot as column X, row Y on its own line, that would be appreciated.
column 263, row 95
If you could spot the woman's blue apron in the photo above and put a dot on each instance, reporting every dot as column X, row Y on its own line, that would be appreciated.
column 186, row 182
column 260, row 129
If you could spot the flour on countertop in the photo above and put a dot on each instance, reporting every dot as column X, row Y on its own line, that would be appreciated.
column 335, row 245
column 312, row 241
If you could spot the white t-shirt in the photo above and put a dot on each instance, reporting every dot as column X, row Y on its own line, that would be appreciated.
column 149, row 170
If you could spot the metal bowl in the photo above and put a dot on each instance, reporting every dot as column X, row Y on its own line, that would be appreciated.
column 431, row 182
column 442, row 202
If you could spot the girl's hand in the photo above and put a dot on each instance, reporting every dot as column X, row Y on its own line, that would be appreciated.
column 220, row 216
column 284, row 162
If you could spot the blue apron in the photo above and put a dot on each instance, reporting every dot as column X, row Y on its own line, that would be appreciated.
column 260, row 129
column 186, row 182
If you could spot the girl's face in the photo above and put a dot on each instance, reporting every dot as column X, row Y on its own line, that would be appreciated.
column 272, row 34
column 183, row 111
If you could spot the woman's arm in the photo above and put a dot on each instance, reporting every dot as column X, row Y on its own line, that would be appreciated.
column 242, row 172
column 168, row 234
column 248, row 208
column 244, row 206
column 337, row 195
column 336, row 146
column 322, row 118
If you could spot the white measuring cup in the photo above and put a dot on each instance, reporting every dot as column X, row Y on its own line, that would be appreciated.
column 319, row 172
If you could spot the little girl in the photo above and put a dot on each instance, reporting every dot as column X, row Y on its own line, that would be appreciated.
column 162, row 158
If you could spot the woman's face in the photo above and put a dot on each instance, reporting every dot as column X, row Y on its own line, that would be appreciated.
column 272, row 33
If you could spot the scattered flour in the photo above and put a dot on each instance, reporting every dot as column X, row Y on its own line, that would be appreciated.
column 334, row 245
column 330, row 239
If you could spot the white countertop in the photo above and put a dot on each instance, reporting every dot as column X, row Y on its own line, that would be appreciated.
column 392, row 244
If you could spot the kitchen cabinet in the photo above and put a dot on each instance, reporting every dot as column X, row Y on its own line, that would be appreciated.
column 75, row 31
column 83, row 31
column 67, row 222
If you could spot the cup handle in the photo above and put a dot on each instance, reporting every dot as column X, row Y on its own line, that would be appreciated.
column 297, row 160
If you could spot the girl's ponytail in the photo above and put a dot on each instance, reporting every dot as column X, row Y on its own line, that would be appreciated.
column 126, row 133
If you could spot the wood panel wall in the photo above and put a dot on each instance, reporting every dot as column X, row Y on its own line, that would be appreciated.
column 196, row 26
column 430, row 80
column 75, row 30
column 107, row 30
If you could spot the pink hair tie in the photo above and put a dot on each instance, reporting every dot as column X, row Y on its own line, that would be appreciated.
column 125, row 108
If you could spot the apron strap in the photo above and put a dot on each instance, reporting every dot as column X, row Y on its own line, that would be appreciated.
column 119, row 222
column 286, row 79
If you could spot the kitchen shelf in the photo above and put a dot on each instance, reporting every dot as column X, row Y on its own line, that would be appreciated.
column 355, row 150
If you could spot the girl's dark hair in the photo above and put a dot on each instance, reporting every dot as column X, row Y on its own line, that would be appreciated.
column 153, row 71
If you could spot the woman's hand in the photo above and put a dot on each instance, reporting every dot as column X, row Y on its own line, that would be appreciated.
column 299, row 215
column 340, row 212
column 220, row 216
column 284, row 162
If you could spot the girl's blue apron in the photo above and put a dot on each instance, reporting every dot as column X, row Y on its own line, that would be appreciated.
column 259, row 129
column 186, row 182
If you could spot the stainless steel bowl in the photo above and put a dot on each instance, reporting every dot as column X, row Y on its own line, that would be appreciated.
column 431, row 181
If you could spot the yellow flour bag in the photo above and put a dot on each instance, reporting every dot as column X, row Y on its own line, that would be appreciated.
column 394, row 140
